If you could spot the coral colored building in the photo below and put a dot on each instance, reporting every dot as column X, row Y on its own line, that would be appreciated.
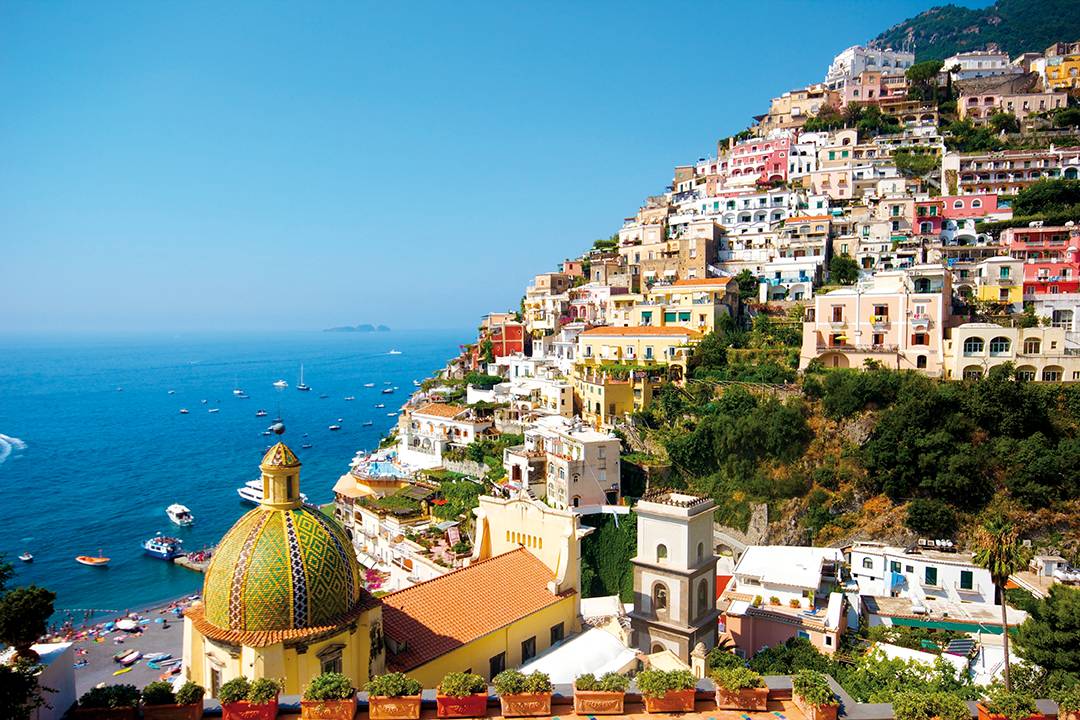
column 757, row 161
column 1051, row 258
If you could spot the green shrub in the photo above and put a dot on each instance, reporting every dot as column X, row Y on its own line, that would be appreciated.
column 813, row 688
column 608, row 682
column 234, row 691
column 158, row 692
column 737, row 678
column 1068, row 700
column 393, row 684
column 110, row 696
column 264, row 691
column 916, row 705
column 459, row 684
column 1013, row 705
column 514, row 682
column 329, row 686
column 190, row 693
column 537, row 682
column 658, row 683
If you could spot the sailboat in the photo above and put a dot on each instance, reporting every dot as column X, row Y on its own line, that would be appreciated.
column 300, row 385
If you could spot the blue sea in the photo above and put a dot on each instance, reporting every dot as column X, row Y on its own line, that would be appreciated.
column 93, row 447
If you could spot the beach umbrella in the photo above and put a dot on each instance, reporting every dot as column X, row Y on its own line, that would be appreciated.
column 126, row 624
column 159, row 620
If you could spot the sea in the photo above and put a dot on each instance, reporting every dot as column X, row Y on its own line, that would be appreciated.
column 93, row 446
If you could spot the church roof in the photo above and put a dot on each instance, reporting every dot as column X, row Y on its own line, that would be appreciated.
column 434, row 617
column 280, row 456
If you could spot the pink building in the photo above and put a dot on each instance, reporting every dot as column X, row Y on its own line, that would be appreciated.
column 757, row 161
column 1051, row 258
column 978, row 205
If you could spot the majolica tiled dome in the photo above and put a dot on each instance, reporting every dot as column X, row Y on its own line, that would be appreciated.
column 282, row 569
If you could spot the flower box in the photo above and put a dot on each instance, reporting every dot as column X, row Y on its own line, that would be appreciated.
column 673, row 701
column 985, row 714
column 120, row 713
column 243, row 710
column 815, row 712
column 394, row 708
column 743, row 699
column 598, row 702
column 469, row 706
column 193, row 711
column 328, row 709
column 526, row 704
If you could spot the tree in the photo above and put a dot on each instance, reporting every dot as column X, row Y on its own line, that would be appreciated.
column 21, row 692
column 1067, row 117
column 24, row 617
column 748, row 285
column 922, row 80
column 931, row 517
column 998, row 544
column 843, row 269
column 1050, row 637
column 1004, row 122
column 7, row 571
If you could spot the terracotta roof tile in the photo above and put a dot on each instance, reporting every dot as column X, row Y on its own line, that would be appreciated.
column 703, row 282
column 446, row 410
column 443, row 614
column 670, row 331
column 262, row 638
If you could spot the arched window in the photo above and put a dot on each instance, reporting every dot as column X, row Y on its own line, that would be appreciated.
column 920, row 362
column 659, row 597
column 976, row 203
column 958, row 204
column 700, row 551
column 868, row 563
column 999, row 346
column 661, row 552
column 1032, row 346
column 973, row 346
column 703, row 596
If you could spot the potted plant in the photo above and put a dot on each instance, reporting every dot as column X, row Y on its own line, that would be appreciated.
column 667, row 690
column 1000, row 704
column 604, row 696
column 393, row 696
column 523, row 695
column 254, row 700
column 1069, row 703
column 811, row 693
column 740, row 688
column 329, row 696
column 461, row 695
column 110, row 702
column 160, row 703
column 916, row 705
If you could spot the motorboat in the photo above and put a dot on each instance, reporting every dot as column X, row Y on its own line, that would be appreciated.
column 163, row 547
column 260, row 413
column 203, row 402
column 301, row 386
column 391, row 414
column 281, row 384
column 252, row 492
column 380, row 406
column 237, row 391
column 180, row 515
column 26, row 557
column 350, row 398
column 172, row 392
column 98, row 560
column 335, row 427
column 184, row 411
column 323, row 397
column 416, row 383
column 306, row 446
column 245, row 396
column 368, row 423
column 388, row 391
column 214, row 410
column 369, row 384
column 267, row 433
column 394, row 352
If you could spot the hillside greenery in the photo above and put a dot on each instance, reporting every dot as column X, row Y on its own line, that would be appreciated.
column 1016, row 26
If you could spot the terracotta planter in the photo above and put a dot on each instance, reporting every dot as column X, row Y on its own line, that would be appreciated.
column 244, row 710
column 328, row 709
column 673, row 701
column 394, row 708
column 598, row 702
column 815, row 712
column 469, row 706
column 743, row 699
column 173, row 712
column 985, row 714
column 1069, row 715
column 526, row 704
column 124, row 713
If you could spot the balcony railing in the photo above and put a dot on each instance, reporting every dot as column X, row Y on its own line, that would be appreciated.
column 858, row 348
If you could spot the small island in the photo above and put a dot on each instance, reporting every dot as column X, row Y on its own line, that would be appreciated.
column 363, row 327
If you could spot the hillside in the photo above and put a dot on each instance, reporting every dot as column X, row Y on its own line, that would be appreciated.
column 1015, row 25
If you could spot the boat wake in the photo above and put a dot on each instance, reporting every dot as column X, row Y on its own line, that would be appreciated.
column 9, row 445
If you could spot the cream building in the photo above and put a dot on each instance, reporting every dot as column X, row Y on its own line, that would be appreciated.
column 636, row 345
column 428, row 431
column 689, row 304
column 1039, row 353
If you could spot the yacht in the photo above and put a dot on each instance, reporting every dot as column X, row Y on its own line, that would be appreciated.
column 394, row 352
column 368, row 423
column 172, row 392
column 180, row 515
column 349, row 398
column 388, row 391
column 380, row 406
column 391, row 414
column 281, row 384
column 183, row 411
column 214, row 410
column 335, row 426
column 369, row 384
column 260, row 413
column 252, row 492
column 238, row 392
column 163, row 547
column 306, row 446
column 300, row 385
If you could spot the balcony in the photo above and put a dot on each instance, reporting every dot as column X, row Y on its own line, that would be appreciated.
column 879, row 322
column 920, row 321
column 858, row 348
column 837, row 324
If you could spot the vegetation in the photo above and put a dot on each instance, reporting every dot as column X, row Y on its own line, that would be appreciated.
column 918, row 705
column 24, row 617
column 748, row 285
column 915, row 162
column 658, row 683
column 999, row 551
column 922, row 81
column 264, row 691
column 605, row 569
column 461, row 497
column 737, row 678
column 515, row 682
column 329, row 686
column 190, row 693
column 1068, row 700
column 158, row 692
column 234, row 691
column 21, row 692
column 110, row 696
column 608, row 682
column 1050, row 637
column 482, row 381
column 813, row 688
column 393, row 684
column 460, row 684
column 843, row 269
column 965, row 136
column 1013, row 705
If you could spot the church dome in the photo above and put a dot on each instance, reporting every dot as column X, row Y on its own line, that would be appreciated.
column 283, row 571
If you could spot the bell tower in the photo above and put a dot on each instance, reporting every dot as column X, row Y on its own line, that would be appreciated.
column 280, row 478
column 674, row 574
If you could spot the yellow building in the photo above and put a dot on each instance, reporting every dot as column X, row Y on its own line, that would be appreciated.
column 689, row 304
column 1000, row 280
column 1063, row 73
column 605, row 395
column 642, row 346
column 283, row 596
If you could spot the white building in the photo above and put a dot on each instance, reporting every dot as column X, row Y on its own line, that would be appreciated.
column 787, row 573
column 852, row 62
column 426, row 433
column 886, row 571
column 979, row 64
column 57, row 674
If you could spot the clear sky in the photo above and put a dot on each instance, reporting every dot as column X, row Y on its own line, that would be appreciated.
column 252, row 165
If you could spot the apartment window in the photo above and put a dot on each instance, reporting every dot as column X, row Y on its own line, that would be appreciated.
column 838, row 313
column 920, row 339
column 930, row 576
column 894, row 566
column 661, row 552
column 496, row 664
column 868, row 563
column 881, row 312
column 973, row 346
column 878, row 339
column 920, row 362
column 967, row 580
column 557, row 633
column 528, row 649
column 999, row 346
column 648, row 352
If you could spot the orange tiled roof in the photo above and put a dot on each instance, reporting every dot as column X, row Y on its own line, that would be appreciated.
column 669, row 331
column 262, row 638
column 446, row 410
column 703, row 282
column 807, row 218
column 443, row 614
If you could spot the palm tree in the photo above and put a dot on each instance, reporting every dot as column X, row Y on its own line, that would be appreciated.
column 998, row 550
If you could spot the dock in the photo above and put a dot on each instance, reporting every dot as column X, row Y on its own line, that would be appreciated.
column 197, row 561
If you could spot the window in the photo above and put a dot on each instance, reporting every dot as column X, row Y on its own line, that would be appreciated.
column 557, row 633
column 528, row 649
column 973, row 346
column 868, row 563
column 661, row 552
column 967, row 580
column 930, row 576
column 1051, row 375
column 496, row 664
column 838, row 313
column 700, row 551
column 660, row 598
column 920, row 362
column 332, row 665
column 976, row 203
column 1032, row 346
column 958, row 204
column 920, row 339
column 703, row 596
column 828, row 640
column 894, row 566
column 999, row 346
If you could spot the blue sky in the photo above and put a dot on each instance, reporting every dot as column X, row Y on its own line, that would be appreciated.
column 248, row 166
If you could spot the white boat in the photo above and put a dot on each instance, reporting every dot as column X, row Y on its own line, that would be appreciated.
column 335, row 427
column 252, row 492
column 369, row 384
column 416, row 383
column 26, row 557
column 349, row 398
column 300, row 385
column 392, row 414
column 180, row 515
column 281, row 384
column 380, row 406
column 388, row 391
column 394, row 352
column 237, row 391
column 183, row 411
column 368, row 423
column 172, row 392
column 260, row 413
column 306, row 446
column 214, row 410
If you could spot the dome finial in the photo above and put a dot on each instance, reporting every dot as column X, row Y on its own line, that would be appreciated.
column 280, row 477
